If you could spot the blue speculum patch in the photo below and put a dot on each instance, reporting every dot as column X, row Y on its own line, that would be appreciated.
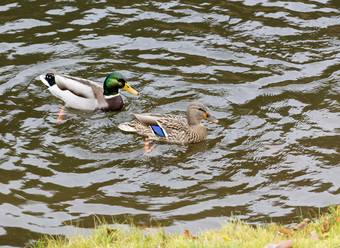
column 158, row 131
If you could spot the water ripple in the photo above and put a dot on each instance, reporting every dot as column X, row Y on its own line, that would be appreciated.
column 268, row 70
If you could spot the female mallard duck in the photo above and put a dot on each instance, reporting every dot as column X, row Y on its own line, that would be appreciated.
column 87, row 95
column 172, row 128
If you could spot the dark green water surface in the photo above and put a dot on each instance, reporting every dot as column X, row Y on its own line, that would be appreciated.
column 268, row 70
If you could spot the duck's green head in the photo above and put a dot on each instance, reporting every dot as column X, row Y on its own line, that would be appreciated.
column 114, row 82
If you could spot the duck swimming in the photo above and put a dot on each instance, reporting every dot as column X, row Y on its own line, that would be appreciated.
column 84, row 94
column 172, row 128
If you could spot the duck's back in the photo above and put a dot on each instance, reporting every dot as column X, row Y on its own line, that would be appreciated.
column 172, row 128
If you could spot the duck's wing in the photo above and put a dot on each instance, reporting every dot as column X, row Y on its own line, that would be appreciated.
column 78, row 86
column 163, row 125
column 142, row 123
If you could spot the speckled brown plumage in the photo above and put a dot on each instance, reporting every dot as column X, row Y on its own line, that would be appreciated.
column 177, row 128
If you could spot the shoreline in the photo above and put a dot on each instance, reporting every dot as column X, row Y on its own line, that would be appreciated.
column 318, row 231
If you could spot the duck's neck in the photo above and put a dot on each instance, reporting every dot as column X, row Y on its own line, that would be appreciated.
column 198, row 131
column 114, row 102
column 192, row 120
column 110, row 91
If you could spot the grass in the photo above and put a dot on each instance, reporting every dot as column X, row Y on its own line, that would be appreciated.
column 322, row 231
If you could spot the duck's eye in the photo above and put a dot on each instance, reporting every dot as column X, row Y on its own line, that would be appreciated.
column 121, row 80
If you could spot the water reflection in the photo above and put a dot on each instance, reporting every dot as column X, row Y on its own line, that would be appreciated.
column 268, row 70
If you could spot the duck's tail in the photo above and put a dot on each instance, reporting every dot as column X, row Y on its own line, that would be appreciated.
column 126, row 127
column 48, row 79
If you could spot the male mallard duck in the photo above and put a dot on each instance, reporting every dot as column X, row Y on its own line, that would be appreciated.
column 172, row 128
column 85, row 94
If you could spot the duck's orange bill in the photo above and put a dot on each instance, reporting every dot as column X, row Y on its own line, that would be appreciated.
column 210, row 118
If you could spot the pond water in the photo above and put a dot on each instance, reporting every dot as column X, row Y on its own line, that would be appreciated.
column 268, row 70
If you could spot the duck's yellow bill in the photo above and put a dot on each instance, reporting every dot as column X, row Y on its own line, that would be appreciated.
column 210, row 118
column 128, row 88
